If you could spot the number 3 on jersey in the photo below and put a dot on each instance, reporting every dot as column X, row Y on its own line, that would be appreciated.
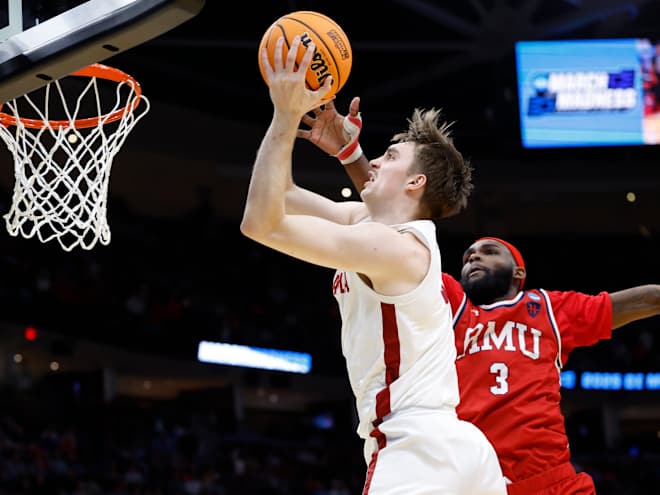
column 501, row 372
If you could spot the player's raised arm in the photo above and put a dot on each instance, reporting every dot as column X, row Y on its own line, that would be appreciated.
column 634, row 304
column 271, row 174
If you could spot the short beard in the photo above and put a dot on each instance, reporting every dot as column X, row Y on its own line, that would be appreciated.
column 489, row 288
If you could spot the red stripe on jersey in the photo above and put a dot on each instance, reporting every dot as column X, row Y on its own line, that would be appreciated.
column 392, row 357
column 382, row 441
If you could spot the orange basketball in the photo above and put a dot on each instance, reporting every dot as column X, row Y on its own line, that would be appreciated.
column 333, row 54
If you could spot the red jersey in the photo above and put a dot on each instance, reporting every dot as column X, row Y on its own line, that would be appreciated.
column 509, row 358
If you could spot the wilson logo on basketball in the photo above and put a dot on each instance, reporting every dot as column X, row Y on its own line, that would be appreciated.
column 319, row 65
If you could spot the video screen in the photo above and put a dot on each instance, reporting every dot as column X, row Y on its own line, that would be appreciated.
column 602, row 92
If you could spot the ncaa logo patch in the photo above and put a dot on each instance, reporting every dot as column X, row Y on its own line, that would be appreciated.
column 533, row 309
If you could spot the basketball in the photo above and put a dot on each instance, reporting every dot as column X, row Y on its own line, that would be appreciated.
column 333, row 54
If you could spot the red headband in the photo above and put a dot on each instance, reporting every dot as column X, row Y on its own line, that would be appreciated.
column 517, row 257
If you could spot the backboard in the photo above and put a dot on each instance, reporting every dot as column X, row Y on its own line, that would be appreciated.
column 44, row 40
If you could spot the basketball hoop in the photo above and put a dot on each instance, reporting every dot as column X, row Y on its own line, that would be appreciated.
column 62, row 167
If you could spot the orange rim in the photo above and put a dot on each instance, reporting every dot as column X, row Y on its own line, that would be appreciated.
column 99, row 71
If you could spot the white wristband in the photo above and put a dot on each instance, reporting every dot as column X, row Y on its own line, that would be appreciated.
column 351, row 151
column 353, row 157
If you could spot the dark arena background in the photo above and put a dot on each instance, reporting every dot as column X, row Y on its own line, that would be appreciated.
column 102, row 389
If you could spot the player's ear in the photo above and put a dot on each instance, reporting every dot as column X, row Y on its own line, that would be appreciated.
column 519, row 273
column 417, row 181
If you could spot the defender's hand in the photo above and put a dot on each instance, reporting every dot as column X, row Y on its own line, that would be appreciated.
column 331, row 131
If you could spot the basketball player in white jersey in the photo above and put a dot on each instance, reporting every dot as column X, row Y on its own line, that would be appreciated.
column 396, row 333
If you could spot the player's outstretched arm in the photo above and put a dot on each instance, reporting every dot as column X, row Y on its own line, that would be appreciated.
column 634, row 304
column 338, row 136
column 265, row 206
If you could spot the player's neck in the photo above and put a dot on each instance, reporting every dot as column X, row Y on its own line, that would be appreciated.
column 510, row 294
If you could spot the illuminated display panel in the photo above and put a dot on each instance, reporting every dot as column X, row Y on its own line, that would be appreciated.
column 588, row 92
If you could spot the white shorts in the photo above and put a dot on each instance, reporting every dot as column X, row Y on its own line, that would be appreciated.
column 431, row 453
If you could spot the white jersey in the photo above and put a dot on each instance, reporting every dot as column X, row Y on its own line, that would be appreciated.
column 399, row 350
column 400, row 354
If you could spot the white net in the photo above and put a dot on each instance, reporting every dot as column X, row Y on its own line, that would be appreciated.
column 62, row 167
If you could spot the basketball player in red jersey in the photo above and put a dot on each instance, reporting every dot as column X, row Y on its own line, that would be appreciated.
column 511, row 343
